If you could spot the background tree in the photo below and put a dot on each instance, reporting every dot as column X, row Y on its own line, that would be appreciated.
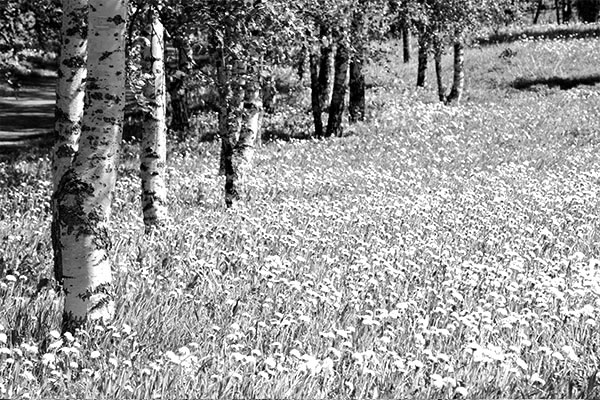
column 240, row 34
column 85, row 192
column 154, row 135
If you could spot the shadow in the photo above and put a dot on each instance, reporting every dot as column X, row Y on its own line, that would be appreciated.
column 29, row 119
column 556, row 81
column 560, row 32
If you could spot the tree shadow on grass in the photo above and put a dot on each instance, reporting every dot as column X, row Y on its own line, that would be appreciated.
column 556, row 82
column 533, row 33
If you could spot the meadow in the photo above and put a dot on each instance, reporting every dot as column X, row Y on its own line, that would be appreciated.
column 433, row 252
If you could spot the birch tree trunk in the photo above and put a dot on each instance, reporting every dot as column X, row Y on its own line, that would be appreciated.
column 422, row 61
column 154, row 135
column 69, row 105
column 458, row 82
column 231, row 82
column 85, row 192
column 438, row 53
column 315, row 95
column 538, row 10
column 406, row 43
column 180, row 118
column 356, row 107
column 326, row 69
column 356, row 103
column 336, row 109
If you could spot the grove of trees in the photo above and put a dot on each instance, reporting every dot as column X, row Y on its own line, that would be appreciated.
column 157, row 47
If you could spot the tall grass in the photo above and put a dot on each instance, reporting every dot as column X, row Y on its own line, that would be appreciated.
column 434, row 252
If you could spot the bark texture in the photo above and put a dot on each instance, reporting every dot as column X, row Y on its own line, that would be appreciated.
column 315, row 95
column 538, row 10
column 422, row 62
column 235, row 135
column 326, row 68
column 85, row 192
column 336, row 109
column 356, row 106
column 356, row 102
column 180, row 114
column 458, row 82
column 438, row 53
column 69, row 105
column 154, row 135
column 406, row 43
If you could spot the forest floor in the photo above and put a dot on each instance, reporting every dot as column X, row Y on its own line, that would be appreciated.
column 29, row 118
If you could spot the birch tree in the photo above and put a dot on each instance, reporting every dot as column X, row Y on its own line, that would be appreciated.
column 336, row 109
column 154, row 135
column 85, row 191
column 69, row 103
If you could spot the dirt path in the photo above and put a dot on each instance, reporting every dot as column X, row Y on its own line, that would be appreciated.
column 29, row 119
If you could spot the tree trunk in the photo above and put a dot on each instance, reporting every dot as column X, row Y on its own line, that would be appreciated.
column 568, row 11
column 269, row 94
column 406, row 43
column 458, row 82
column 315, row 95
column 154, row 136
column 557, row 6
column 85, row 192
column 231, row 81
column 356, row 105
column 302, row 58
column 243, row 150
column 69, row 105
column 336, row 109
column 180, row 117
column 422, row 67
column 538, row 10
column 438, row 53
column 326, row 69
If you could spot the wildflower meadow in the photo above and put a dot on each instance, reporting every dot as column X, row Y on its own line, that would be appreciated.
column 433, row 252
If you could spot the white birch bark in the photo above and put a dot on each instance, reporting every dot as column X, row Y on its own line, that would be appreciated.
column 85, row 192
column 154, row 137
column 458, row 82
column 69, row 103
column 70, row 85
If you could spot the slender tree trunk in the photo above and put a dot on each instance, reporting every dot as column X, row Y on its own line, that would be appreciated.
column 269, row 94
column 568, row 11
column 69, row 106
column 180, row 118
column 356, row 107
column 557, row 6
column 538, row 10
column 336, row 109
column 356, row 104
column 243, row 149
column 326, row 69
column 302, row 58
column 422, row 66
column 315, row 97
column 458, row 82
column 406, row 43
column 438, row 53
column 154, row 136
column 85, row 192
column 231, row 76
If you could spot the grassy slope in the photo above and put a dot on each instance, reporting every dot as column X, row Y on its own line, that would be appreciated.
column 435, row 252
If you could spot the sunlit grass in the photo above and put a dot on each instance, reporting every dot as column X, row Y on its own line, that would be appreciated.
column 436, row 252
